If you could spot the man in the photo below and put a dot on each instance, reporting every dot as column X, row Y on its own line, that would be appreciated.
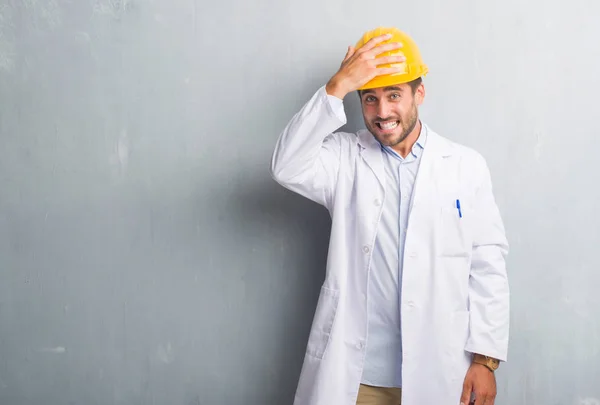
column 414, row 308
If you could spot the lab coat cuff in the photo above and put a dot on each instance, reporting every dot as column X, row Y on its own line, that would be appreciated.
column 336, row 106
column 495, row 353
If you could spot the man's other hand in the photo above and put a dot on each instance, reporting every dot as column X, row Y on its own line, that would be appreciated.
column 482, row 382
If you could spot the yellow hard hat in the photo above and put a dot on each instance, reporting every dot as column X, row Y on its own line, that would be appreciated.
column 414, row 67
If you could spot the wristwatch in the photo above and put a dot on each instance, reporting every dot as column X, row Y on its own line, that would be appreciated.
column 490, row 362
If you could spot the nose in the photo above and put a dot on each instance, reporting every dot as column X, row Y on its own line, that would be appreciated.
column 383, row 109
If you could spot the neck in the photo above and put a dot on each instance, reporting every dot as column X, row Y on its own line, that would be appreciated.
column 404, row 147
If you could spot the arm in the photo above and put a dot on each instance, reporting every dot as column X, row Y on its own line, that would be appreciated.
column 307, row 154
column 488, row 293
column 488, row 283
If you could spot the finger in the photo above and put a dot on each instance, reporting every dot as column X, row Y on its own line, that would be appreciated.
column 466, row 393
column 385, row 60
column 349, row 54
column 378, row 50
column 372, row 43
column 389, row 71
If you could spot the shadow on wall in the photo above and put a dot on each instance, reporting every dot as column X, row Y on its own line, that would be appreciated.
column 295, row 233
column 298, row 230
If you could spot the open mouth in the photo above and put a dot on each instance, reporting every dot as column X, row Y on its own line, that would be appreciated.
column 388, row 125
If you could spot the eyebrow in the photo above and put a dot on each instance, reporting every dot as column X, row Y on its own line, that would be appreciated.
column 387, row 89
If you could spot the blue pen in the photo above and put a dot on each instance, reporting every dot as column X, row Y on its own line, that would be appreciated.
column 458, row 208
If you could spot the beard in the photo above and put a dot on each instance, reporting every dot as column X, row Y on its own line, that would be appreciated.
column 407, row 124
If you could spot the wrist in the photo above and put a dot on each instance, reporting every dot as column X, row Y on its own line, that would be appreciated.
column 491, row 363
column 335, row 88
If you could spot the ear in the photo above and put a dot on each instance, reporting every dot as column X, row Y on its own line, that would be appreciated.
column 420, row 94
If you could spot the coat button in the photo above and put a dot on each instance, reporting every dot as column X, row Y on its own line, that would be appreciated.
column 360, row 345
column 377, row 202
column 366, row 249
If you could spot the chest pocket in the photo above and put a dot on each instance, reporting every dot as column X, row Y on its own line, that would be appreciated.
column 455, row 236
column 455, row 209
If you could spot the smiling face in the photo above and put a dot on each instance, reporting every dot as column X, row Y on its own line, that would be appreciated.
column 391, row 113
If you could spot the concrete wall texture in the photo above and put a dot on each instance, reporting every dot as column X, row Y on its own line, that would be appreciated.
column 146, row 256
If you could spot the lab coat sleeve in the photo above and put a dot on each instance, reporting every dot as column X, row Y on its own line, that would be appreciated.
column 488, row 282
column 307, row 154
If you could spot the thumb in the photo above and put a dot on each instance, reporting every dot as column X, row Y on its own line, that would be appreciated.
column 348, row 54
column 466, row 393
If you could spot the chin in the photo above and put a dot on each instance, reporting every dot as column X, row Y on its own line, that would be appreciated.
column 389, row 139
column 383, row 137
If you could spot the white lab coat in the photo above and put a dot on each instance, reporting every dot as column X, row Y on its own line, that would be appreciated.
column 455, row 295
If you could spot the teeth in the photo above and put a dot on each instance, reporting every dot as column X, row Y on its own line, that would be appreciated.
column 388, row 125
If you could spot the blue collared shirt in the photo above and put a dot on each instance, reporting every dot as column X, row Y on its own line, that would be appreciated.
column 383, row 362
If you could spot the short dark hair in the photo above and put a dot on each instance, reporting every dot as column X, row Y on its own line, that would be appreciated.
column 414, row 85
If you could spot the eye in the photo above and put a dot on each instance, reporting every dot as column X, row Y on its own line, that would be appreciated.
column 370, row 99
column 395, row 96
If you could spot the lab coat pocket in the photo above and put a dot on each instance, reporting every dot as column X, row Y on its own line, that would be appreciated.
column 454, row 238
column 322, row 325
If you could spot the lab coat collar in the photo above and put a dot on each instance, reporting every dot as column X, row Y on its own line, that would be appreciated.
column 437, row 147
